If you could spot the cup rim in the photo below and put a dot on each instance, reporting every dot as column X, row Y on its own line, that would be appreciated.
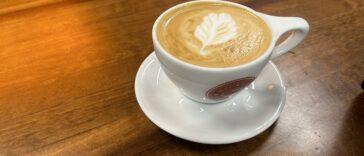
column 262, row 57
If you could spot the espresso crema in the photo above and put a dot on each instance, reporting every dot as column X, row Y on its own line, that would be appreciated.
column 213, row 34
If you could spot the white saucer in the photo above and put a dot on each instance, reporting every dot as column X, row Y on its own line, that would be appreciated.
column 246, row 115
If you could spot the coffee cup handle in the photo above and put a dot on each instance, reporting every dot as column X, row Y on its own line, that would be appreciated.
column 281, row 25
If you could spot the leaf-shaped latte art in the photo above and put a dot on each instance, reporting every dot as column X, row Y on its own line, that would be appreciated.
column 215, row 29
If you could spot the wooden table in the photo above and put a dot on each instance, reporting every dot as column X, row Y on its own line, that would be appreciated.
column 67, row 71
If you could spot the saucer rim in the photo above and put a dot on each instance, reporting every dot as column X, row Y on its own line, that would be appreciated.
column 251, row 134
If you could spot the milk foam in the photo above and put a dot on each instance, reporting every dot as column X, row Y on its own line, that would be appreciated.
column 215, row 29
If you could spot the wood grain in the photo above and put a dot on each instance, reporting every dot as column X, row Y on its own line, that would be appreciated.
column 67, row 70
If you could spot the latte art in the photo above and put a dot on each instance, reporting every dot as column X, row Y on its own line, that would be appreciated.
column 213, row 34
column 215, row 29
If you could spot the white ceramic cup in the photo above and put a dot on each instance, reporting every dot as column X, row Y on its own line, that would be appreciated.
column 213, row 85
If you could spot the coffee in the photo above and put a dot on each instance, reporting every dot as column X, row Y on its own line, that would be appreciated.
column 213, row 34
